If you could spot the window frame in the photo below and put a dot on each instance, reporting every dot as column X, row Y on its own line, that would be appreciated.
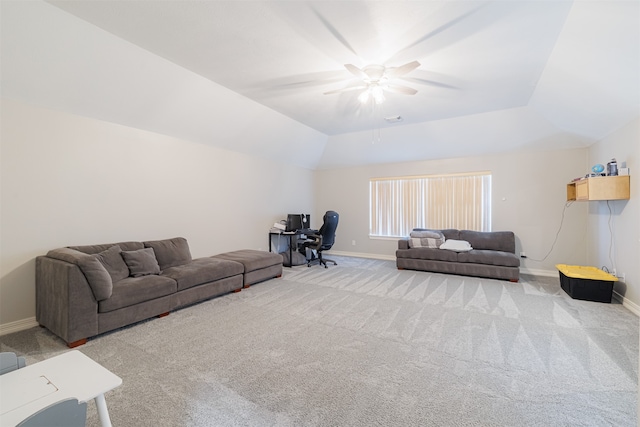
column 484, row 202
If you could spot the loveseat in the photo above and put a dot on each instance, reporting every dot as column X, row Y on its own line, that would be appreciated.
column 475, row 253
column 83, row 291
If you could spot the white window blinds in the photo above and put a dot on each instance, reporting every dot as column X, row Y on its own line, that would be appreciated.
column 398, row 205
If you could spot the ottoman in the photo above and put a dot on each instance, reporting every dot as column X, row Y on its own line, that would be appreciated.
column 258, row 265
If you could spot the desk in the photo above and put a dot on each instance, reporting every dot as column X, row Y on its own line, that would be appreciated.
column 290, row 235
column 300, row 235
column 27, row 390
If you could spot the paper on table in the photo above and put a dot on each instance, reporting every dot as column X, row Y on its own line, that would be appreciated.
column 25, row 392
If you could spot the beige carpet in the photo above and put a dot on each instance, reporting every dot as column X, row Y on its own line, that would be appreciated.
column 363, row 344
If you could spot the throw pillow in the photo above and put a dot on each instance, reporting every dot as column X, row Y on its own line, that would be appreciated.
column 170, row 252
column 113, row 263
column 456, row 245
column 141, row 262
column 97, row 276
column 426, row 239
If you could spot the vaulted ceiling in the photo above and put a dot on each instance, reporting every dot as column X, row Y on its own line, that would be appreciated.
column 494, row 75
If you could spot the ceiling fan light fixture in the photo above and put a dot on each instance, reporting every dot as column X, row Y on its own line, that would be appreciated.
column 376, row 80
column 364, row 96
column 377, row 93
column 373, row 91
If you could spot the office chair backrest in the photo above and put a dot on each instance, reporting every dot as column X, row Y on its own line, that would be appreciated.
column 66, row 413
column 10, row 362
column 328, row 229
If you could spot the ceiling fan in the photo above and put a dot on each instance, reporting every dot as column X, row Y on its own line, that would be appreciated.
column 376, row 79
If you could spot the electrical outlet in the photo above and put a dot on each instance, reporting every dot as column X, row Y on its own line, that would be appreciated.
column 621, row 277
column 614, row 272
column 353, row 243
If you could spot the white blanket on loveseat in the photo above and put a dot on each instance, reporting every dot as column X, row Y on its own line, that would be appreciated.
column 456, row 245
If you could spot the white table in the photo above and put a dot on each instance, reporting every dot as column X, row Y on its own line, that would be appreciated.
column 27, row 390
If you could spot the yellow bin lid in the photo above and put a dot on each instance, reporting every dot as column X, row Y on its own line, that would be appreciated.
column 581, row 272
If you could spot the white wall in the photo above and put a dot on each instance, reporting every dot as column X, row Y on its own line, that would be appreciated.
column 624, row 219
column 53, row 59
column 69, row 180
column 529, row 195
column 513, row 129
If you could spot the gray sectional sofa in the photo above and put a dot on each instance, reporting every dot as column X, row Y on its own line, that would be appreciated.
column 492, row 255
column 83, row 291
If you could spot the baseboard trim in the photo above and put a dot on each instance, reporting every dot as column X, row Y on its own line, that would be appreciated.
column 18, row 325
column 363, row 255
column 628, row 304
column 538, row 272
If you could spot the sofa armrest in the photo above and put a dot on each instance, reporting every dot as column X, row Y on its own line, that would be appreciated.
column 403, row 244
column 64, row 300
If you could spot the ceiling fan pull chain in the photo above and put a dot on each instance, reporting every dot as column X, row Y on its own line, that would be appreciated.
column 376, row 115
column 373, row 122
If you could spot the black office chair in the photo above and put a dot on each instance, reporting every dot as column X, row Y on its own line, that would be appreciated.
column 66, row 413
column 10, row 362
column 323, row 240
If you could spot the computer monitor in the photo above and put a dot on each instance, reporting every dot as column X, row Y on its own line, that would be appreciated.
column 298, row 222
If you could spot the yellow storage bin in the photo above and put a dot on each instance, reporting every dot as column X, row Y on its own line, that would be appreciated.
column 581, row 272
column 586, row 283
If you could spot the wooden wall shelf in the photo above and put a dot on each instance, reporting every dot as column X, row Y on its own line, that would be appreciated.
column 599, row 188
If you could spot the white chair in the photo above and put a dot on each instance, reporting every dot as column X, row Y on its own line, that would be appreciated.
column 10, row 362
column 66, row 413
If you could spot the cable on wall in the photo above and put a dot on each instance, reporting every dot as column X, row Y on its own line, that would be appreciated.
column 564, row 209
column 610, row 222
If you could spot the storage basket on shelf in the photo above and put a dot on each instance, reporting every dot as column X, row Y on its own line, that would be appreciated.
column 586, row 283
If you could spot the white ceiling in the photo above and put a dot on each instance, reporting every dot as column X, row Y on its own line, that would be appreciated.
column 569, row 69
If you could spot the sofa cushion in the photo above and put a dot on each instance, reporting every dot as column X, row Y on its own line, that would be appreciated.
column 449, row 233
column 494, row 240
column 141, row 262
column 112, row 261
column 202, row 270
column 252, row 259
column 97, row 276
column 476, row 256
column 94, row 249
column 170, row 252
column 428, row 254
column 135, row 290
column 426, row 239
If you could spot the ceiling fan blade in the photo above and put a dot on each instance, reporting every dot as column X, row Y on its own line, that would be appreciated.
column 346, row 89
column 440, row 29
column 296, row 85
column 401, row 70
column 405, row 90
column 429, row 82
column 356, row 71
column 334, row 31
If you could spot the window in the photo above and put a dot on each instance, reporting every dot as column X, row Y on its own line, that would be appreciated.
column 398, row 205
